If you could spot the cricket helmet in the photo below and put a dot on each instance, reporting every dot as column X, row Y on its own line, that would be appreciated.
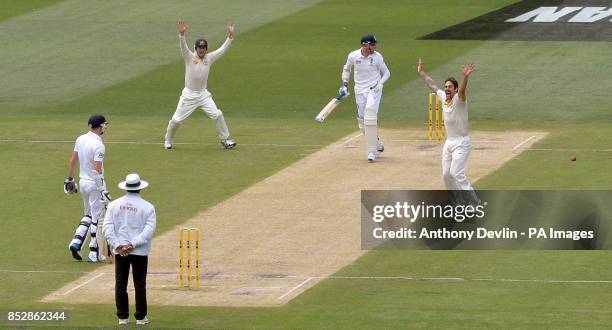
column 369, row 39
column 96, row 120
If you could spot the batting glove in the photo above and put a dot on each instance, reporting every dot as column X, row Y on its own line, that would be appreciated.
column 70, row 186
column 106, row 198
column 343, row 90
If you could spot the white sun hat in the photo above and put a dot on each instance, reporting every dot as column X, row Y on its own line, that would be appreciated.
column 133, row 182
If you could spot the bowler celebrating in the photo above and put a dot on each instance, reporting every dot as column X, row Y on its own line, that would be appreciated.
column 195, row 95
column 457, row 146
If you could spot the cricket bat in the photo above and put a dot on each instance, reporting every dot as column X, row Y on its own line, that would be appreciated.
column 102, row 242
column 330, row 107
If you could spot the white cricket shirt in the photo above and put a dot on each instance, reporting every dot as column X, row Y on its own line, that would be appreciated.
column 455, row 115
column 90, row 148
column 197, row 69
column 130, row 219
column 368, row 70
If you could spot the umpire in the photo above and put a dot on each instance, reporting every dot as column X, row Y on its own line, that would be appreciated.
column 129, row 226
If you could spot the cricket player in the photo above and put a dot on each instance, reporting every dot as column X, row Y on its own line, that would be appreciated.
column 89, row 152
column 457, row 147
column 371, row 73
column 195, row 95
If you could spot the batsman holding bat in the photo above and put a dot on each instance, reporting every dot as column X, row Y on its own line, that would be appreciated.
column 371, row 73
column 89, row 152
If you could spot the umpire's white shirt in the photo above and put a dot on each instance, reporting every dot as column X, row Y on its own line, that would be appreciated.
column 455, row 115
column 197, row 69
column 90, row 148
column 369, row 70
column 130, row 219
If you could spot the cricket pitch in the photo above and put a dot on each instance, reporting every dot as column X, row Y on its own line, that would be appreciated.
column 269, row 243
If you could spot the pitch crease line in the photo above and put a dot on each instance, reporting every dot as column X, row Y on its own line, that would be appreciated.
column 351, row 138
column 83, row 284
column 295, row 288
column 522, row 143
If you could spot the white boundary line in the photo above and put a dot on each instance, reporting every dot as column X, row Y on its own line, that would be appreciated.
column 309, row 278
column 43, row 271
column 569, row 149
column 295, row 288
column 538, row 281
column 522, row 143
column 159, row 143
column 82, row 284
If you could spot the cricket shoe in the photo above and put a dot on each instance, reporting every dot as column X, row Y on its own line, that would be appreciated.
column 143, row 321
column 371, row 157
column 75, row 249
column 167, row 145
column 380, row 147
column 93, row 257
column 124, row 321
column 228, row 144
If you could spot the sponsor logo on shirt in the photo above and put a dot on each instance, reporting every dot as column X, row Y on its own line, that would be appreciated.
column 128, row 207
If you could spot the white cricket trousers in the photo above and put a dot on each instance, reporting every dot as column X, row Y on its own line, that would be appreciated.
column 455, row 156
column 369, row 99
column 92, row 211
column 188, row 103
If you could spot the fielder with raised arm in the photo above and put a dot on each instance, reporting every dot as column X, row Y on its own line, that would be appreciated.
column 457, row 147
column 89, row 152
column 195, row 94
column 371, row 73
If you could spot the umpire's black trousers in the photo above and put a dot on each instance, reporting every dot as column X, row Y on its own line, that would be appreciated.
column 139, row 275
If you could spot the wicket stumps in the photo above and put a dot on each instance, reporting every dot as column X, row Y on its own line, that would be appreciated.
column 185, row 255
column 439, row 128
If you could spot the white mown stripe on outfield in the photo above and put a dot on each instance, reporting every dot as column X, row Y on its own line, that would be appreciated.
column 523, row 143
column 295, row 288
column 82, row 284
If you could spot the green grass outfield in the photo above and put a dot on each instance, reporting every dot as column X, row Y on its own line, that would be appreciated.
column 283, row 66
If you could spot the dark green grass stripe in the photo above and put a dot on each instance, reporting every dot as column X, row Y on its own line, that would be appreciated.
column 12, row 8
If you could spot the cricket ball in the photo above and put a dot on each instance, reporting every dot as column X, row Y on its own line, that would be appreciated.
column 573, row 158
